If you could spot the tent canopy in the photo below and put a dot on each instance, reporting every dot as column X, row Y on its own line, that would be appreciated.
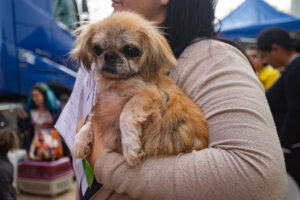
column 251, row 17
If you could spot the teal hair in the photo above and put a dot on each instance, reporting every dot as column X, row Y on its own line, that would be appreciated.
column 49, row 97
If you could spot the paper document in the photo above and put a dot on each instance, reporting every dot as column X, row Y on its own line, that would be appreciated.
column 80, row 103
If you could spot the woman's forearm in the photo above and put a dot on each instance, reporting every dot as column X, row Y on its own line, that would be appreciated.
column 207, row 174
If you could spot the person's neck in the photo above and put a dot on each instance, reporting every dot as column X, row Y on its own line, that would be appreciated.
column 259, row 68
column 289, row 57
column 41, row 108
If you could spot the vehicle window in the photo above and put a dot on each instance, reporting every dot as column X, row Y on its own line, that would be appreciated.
column 66, row 12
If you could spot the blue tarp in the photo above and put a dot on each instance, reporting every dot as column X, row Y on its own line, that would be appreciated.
column 251, row 17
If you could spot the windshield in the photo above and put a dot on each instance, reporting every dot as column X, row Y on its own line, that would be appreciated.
column 66, row 12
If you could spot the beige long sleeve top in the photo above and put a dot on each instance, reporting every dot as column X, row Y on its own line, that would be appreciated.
column 244, row 159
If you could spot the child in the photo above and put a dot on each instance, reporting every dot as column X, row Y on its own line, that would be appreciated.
column 267, row 75
column 8, row 141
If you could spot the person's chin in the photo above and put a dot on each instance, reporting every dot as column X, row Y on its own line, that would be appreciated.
column 117, row 6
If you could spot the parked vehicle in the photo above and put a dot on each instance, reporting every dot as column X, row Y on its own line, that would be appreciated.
column 35, row 41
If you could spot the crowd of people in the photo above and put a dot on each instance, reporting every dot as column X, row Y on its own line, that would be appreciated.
column 278, row 49
column 276, row 59
column 254, row 118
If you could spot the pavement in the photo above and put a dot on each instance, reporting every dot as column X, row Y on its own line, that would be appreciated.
column 68, row 195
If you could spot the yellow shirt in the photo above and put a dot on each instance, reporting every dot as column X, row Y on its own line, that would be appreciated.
column 267, row 76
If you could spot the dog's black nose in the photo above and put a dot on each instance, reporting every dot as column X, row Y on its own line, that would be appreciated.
column 110, row 57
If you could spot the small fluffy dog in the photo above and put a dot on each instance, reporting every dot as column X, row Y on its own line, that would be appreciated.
column 139, row 111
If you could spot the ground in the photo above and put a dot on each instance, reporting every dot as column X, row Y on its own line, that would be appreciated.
column 69, row 195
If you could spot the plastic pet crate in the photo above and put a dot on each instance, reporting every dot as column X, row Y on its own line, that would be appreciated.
column 46, row 178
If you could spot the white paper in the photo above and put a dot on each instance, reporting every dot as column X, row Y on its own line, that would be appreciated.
column 80, row 103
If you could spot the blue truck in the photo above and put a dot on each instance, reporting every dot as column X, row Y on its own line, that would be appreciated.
column 35, row 41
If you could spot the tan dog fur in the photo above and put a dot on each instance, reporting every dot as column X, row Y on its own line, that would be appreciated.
column 139, row 112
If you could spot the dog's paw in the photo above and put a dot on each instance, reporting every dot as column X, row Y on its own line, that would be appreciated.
column 133, row 156
column 81, row 149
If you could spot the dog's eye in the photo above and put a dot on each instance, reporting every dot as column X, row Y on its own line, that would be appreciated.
column 131, row 51
column 98, row 50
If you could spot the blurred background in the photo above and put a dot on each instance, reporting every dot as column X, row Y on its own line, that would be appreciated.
column 224, row 7
column 35, row 40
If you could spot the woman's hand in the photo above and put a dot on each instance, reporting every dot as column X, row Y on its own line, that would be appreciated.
column 97, row 146
column 21, row 113
column 80, row 124
column 97, row 149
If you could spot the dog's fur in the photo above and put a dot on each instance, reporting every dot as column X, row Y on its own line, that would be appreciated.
column 139, row 112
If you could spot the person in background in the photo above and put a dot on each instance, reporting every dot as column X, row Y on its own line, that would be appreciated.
column 39, row 117
column 65, row 11
column 64, row 99
column 280, row 50
column 244, row 159
column 267, row 75
column 8, row 141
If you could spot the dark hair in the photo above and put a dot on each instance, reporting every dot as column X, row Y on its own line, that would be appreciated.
column 278, row 36
column 8, row 140
column 64, row 98
column 297, row 45
column 50, row 100
column 186, row 20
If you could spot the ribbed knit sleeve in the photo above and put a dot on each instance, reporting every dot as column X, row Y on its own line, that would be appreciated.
column 244, row 159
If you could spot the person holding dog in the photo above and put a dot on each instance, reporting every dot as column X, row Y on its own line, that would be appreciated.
column 243, row 159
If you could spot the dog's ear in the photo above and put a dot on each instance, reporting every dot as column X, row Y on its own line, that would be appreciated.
column 157, row 54
column 82, row 51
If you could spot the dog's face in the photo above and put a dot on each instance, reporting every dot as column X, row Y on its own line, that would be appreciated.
column 123, row 45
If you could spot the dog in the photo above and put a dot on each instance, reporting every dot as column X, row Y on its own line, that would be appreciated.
column 139, row 111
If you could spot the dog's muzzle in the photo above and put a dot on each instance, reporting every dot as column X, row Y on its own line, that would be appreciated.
column 110, row 59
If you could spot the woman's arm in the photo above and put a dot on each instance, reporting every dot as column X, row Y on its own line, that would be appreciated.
column 24, row 120
column 244, row 159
